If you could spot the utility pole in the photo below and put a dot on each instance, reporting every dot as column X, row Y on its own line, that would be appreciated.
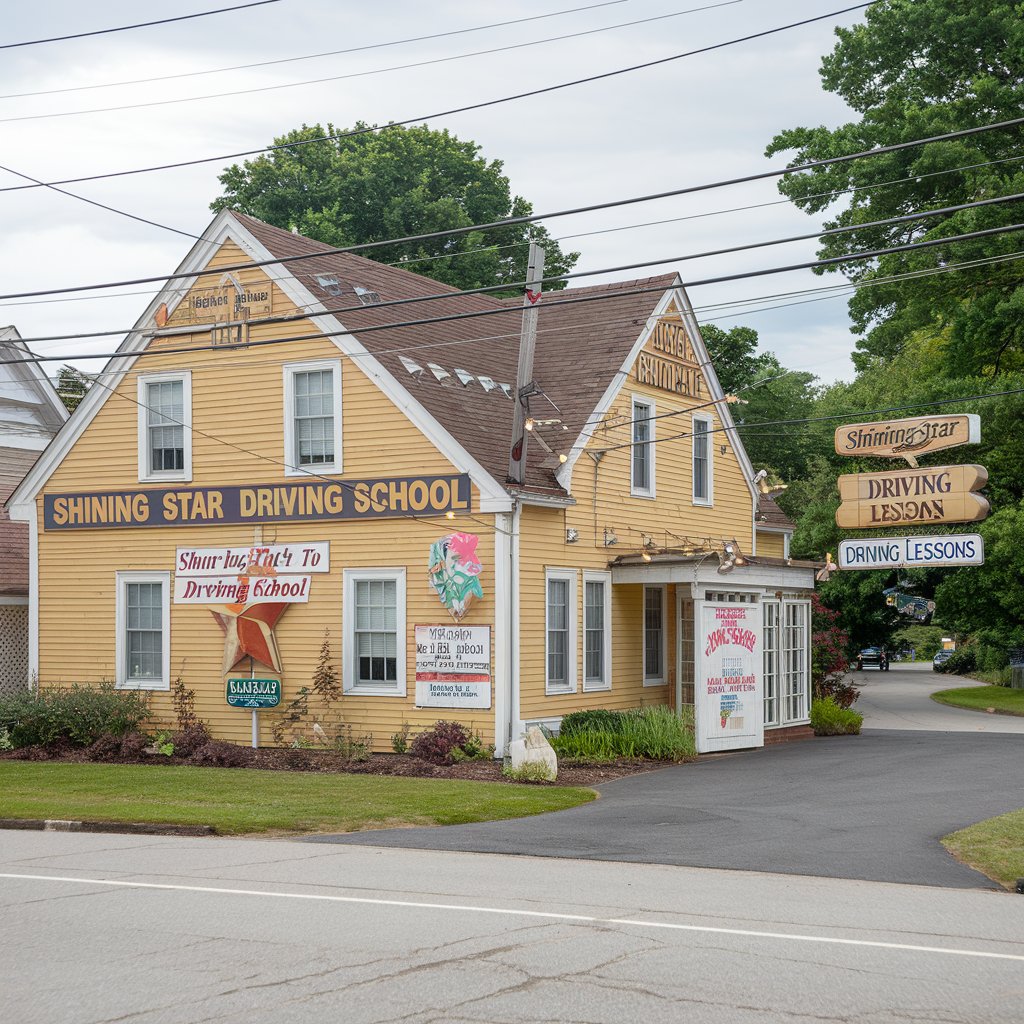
column 524, row 374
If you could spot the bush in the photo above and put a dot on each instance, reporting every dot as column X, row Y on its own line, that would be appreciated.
column 529, row 771
column 76, row 715
column 188, row 740
column 436, row 745
column 655, row 732
column 221, row 754
column 829, row 719
column 963, row 661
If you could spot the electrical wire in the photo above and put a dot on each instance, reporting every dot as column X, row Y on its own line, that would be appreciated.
column 483, row 104
column 360, row 74
column 436, row 296
column 312, row 56
column 141, row 24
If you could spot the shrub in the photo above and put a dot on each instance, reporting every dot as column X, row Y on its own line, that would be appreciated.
column 221, row 754
column 77, row 715
column 183, row 700
column 829, row 719
column 530, row 771
column 400, row 739
column 963, row 661
column 188, row 740
column 436, row 745
column 653, row 732
column 133, row 744
column 105, row 748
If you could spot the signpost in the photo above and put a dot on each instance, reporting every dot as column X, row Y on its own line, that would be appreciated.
column 256, row 694
column 912, row 552
column 936, row 494
column 906, row 439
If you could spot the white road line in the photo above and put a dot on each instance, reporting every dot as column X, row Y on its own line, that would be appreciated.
column 547, row 915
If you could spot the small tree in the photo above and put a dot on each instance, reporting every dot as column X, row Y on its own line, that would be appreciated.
column 325, row 675
column 829, row 660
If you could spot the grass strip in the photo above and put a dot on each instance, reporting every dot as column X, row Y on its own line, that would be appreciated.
column 980, row 698
column 238, row 800
column 994, row 847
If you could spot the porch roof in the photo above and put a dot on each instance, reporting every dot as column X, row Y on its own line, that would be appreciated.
column 759, row 573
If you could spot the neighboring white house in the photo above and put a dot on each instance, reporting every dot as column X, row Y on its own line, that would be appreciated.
column 31, row 412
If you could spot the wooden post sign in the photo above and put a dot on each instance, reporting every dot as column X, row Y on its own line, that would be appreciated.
column 934, row 494
column 906, row 439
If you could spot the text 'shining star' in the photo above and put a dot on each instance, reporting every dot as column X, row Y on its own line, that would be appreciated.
column 249, row 632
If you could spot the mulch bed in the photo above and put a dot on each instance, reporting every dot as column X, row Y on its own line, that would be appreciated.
column 327, row 762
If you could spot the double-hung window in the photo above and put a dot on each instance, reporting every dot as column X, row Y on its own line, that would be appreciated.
column 374, row 642
column 772, row 674
column 703, row 476
column 560, row 631
column 794, row 658
column 312, row 417
column 143, row 631
column 642, row 450
column 597, row 633
column 165, row 426
column 654, row 635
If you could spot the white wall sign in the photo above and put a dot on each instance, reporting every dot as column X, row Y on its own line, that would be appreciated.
column 241, row 589
column 453, row 666
column 899, row 552
column 729, row 695
column 254, row 559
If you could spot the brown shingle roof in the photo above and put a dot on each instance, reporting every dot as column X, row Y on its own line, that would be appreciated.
column 771, row 516
column 579, row 348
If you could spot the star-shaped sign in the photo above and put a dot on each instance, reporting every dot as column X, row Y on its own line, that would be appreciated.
column 249, row 632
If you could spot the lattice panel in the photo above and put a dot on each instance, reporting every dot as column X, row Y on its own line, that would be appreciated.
column 13, row 647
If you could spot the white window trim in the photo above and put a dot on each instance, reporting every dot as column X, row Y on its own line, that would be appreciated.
column 766, row 603
column 649, row 491
column 349, row 579
column 120, row 678
column 290, row 455
column 146, row 474
column 661, row 679
column 805, row 662
column 606, row 682
column 571, row 576
column 709, row 501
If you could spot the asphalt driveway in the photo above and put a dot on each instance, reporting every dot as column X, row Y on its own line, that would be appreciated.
column 870, row 807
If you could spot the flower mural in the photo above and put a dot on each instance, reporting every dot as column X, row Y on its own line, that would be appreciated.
column 454, row 572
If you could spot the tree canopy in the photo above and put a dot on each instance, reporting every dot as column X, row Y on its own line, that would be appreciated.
column 913, row 69
column 394, row 183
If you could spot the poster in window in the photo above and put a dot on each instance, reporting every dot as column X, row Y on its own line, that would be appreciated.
column 729, row 695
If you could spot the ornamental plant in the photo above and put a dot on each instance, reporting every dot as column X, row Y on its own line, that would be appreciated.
column 829, row 662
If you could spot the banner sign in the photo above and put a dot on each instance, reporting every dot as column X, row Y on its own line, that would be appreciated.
column 453, row 666
column 935, row 494
column 254, row 694
column 729, row 695
column 254, row 559
column 241, row 589
column 910, row 552
column 898, row 439
column 382, row 498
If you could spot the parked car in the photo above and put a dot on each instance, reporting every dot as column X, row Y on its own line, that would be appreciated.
column 873, row 658
column 940, row 658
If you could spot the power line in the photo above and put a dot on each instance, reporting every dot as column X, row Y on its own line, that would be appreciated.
column 373, row 328
column 313, row 56
column 390, row 303
column 526, row 219
column 361, row 74
column 542, row 91
column 141, row 24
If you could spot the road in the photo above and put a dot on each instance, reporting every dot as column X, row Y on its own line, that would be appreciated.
column 99, row 929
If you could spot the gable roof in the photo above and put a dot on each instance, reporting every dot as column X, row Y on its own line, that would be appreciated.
column 31, row 411
column 770, row 516
column 586, row 336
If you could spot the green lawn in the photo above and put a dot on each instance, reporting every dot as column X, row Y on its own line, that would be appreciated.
column 1002, row 698
column 236, row 800
column 994, row 847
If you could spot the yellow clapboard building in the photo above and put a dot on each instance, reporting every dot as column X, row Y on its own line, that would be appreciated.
column 301, row 457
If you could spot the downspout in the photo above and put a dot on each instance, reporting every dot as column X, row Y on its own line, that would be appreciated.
column 514, row 716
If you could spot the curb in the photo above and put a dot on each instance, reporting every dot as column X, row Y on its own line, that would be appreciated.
column 131, row 828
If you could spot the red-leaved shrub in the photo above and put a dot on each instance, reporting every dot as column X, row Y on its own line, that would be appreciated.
column 436, row 745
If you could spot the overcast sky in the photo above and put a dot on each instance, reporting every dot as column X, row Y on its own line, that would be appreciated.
column 694, row 120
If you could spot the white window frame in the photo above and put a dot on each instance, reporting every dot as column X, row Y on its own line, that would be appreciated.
column 349, row 685
column 570, row 576
column 708, row 501
column 661, row 678
column 605, row 683
column 772, row 608
column 802, row 663
column 146, row 474
column 291, row 467
column 649, row 490
column 121, row 680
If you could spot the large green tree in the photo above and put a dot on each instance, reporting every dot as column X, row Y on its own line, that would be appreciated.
column 916, row 68
column 394, row 183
